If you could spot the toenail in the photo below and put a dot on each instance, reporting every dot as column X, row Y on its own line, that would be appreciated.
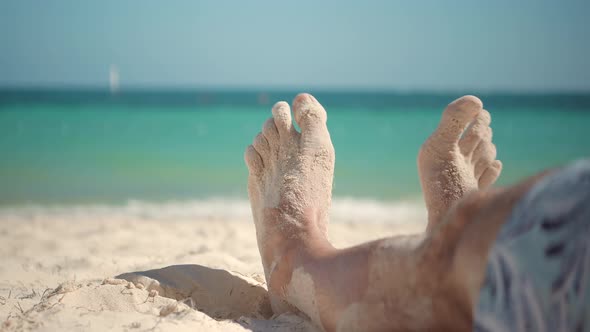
column 280, row 105
column 303, row 97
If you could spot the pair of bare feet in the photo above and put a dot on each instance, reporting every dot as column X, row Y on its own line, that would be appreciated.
column 408, row 283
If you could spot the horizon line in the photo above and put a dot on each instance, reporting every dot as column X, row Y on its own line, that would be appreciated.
column 272, row 89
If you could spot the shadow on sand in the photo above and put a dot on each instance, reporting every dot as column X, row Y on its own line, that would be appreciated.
column 220, row 294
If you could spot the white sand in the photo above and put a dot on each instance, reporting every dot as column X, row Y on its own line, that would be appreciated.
column 57, row 265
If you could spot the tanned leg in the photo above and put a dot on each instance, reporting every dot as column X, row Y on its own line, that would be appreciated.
column 397, row 284
column 289, row 188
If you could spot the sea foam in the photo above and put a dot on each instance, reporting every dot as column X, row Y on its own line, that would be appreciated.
column 344, row 210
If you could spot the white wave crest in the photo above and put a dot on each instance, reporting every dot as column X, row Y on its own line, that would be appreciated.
column 343, row 210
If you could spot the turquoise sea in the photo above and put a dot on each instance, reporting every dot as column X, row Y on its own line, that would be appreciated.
column 93, row 147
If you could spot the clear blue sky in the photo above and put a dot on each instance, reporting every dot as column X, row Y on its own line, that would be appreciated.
column 443, row 45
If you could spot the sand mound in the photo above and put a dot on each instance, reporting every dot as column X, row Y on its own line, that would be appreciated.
column 115, row 304
column 218, row 293
column 97, row 306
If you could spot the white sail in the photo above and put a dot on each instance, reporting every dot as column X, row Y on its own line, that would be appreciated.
column 114, row 79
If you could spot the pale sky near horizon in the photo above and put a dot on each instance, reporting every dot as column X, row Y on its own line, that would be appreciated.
column 399, row 45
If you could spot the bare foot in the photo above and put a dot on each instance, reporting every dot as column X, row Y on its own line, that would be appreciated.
column 290, row 184
column 401, row 283
column 459, row 157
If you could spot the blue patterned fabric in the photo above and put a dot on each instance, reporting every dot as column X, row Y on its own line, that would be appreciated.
column 538, row 271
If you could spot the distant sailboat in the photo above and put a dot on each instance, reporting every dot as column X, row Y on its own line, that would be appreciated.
column 114, row 79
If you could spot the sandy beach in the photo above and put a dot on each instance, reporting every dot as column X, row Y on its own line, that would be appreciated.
column 192, row 266
column 134, row 138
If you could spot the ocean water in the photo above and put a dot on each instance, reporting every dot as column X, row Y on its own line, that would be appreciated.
column 91, row 147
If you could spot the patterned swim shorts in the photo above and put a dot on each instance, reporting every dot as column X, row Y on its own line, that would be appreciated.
column 538, row 271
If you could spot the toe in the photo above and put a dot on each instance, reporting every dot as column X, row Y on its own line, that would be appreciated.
column 261, row 145
column 271, row 133
column 490, row 175
column 483, row 156
column 282, row 117
column 478, row 130
column 310, row 115
column 457, row 116
column 253, row 160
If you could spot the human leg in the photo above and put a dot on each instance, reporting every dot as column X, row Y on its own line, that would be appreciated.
column 429, row 282
column 289, row 187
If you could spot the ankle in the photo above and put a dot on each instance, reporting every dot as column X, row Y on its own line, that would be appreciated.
column 294, row 253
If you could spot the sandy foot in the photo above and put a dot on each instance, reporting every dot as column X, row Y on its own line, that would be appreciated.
column 290, row 182
column 458, row 157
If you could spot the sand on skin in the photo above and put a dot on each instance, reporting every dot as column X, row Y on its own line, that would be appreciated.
column 58, row 270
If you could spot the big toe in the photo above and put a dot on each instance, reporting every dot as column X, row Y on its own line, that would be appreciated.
column 456, row 117
column 311, row 117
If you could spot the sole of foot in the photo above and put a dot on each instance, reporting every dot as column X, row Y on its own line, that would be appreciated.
column 458, row 158
column 289, row 186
